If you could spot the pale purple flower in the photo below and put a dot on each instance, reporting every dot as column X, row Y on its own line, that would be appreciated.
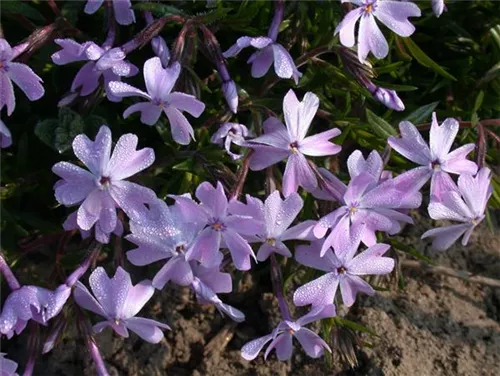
column 370, row 198
column 281, row 337
column 22, row 75
column 437, row 157
column 221, row 229
column 464, row 203
column 104, row 188
column 122, row 10
column 229, row 133
column 393, row 14
column 159, row 84
column 387, row 97
column 31, row 303
column 438, row 7
column 161, row 50
column 165, row 234
column 102, row 62
column 342, row 269
column 5, row 136
column 280, row 142
column 276, row 216
column 231, row 95
column 101, row 236
column 7, row 367
column 117, row 300
column 207, row 283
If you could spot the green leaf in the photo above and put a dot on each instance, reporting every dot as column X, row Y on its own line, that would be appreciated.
column 411, row 251
column 158, row 10
column 425, row 60
column 354, row 326
column 18, row 7
column 381, row 127
column 59, row 134
column 421, row 114
column 479, row 101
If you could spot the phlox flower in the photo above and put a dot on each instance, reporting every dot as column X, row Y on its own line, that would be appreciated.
column 117, row 300
column 281, row 337
column 7, row 367
column 220, row 228
column 159, row 84
column 371, row 197
column 104, row 188
column 290, row 142
column 5, row 136
column 276, row 216
column 110, row 64
column 229, row 133
column 22, row 75
column 269, row 51
column 101, row 236
column 342, row 269
column 122, row 10
column 31, row 303
column 437, row 158
column 393, row 14
column 465, row 202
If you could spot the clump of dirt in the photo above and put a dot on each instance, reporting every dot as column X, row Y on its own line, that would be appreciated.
column 436, row 325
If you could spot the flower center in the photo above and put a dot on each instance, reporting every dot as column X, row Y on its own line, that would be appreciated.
column 104, row 182
column 271, row 241
column 217, row 225
column 435, row 165
column 179, row 248
column 294, row 147
column 369, row 8
column 291, row 331
column 341, row 270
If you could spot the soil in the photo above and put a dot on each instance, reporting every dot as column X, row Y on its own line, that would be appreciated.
column 436, row 325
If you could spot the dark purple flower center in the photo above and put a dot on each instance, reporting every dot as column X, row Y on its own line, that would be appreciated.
column 341, row 270
column 294, row 146
column 370, row 7
column 271, row 241
column 217, row 225
column 435, row 165
column 179, row 248
column 353, row 208
column 105, row 180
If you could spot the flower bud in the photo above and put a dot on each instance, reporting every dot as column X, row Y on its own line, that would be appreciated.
column 231, row 95
column 389, row 98
column 161, row 50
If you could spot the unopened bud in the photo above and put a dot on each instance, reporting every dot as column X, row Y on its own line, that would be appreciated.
column 161, row 50
column 231, row 95
column 389, row 98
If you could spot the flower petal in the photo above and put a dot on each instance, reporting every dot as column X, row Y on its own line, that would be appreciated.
column 186, row 102
column 394, row 15
column 319, row 144
column 149, row 330
column 27, row 80
column 298, row 173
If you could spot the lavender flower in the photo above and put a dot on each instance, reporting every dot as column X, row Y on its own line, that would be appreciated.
column 387, row 97
column 119, row 301
column 31, row 303
column 102, row 189
column 22, row 75
column 231, row 133
column 269, row 51
column 276, row 215
column 102, row 62
column 124, row 14
column 158, row 44
column 281, row 337
column 465, row 203
column 342, row 269
column 438, row 157
column 5, row 136
column 438, row 7
column 165, row 234
column 393, row 14
column 280, row 142
column 159, row 84
column 218, row 226
column 7, row 367
column 370, row 198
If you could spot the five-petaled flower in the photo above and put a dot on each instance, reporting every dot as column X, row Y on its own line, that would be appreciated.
column 280, row 142
column 102, row 189
column 393, row 14
column 22, row 75
column 437, row 158
column 159, row 84
column 231, row 133
column 281, row 337
column 119, row 301
column 463, row 203
column 342, row 268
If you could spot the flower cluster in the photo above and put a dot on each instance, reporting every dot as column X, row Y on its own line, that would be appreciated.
column 198, row 239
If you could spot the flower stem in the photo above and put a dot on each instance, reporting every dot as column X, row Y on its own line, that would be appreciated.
column 277, row 287
column 82, row 268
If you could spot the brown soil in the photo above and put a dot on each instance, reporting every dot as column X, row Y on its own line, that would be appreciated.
column 437, row 325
